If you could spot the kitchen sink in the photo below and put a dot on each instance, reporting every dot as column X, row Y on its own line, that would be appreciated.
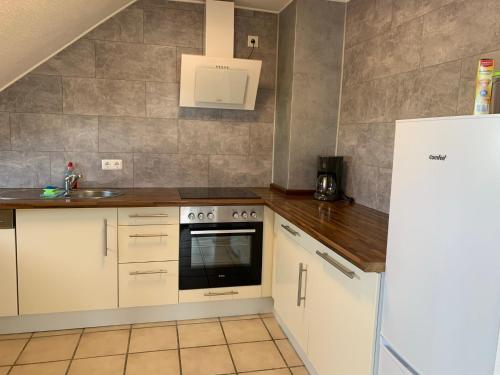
column 34, row 194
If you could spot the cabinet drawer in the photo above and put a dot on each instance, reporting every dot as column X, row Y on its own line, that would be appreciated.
column 148, row 215
column 148, row 243
column 220, row 294
column 148, row 284
column 292, row 232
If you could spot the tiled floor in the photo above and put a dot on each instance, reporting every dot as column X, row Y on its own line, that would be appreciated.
column 250, row 345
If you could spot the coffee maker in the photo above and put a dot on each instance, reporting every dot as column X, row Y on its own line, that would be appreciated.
column 329, row 178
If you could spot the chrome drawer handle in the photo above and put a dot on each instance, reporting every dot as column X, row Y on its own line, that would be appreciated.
column 223, row 231
column 105, row 237
column 152, row 272
column 213, row 294
column 290, row 230
column 135, row 216
column 346, row 271
column 148, row 235
column 302, row 269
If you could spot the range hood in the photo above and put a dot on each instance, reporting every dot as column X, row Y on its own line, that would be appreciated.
column 218, row 80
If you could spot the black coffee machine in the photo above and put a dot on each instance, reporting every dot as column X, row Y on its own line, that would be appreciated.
column 329, row 178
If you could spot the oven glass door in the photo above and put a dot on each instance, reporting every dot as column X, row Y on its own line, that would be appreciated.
column 220, row 255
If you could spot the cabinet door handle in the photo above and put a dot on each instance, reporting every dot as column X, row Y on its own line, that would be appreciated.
column 105, row 237
column 148, row 235
column 290, row 230
column 213, row 294
column 152, row 272
column 346, row 271
column 302, row 269
column 135, row 216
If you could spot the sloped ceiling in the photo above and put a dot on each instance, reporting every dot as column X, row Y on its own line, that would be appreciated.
column 31, row 31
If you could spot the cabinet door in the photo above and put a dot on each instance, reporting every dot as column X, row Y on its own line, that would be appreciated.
column 8, row 281
column 342, row 315
column 67, row 260
column 290, row 284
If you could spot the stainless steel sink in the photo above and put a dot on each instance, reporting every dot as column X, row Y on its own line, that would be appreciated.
column 35, row 194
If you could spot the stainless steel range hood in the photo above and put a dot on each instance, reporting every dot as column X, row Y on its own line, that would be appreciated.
column 217, row 79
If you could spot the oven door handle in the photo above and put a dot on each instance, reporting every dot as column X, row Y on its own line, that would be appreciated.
column 223, row 231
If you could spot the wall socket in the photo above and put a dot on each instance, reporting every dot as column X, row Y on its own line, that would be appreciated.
column 112, row 165
column 253, row 37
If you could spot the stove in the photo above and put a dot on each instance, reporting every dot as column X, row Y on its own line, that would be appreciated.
column 216, row 193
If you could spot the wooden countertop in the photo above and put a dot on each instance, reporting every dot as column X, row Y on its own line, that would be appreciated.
column 356, row 232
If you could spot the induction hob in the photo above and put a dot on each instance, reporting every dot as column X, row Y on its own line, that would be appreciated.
column 216, row 193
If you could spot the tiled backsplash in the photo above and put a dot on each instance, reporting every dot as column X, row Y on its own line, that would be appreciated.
column 114, row 95
column 406, row 59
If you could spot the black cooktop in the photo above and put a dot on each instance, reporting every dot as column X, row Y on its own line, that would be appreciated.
column 216, row 193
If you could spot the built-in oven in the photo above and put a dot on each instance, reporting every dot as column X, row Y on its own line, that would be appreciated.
column 220, row 246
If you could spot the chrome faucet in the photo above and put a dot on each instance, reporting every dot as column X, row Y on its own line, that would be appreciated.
column 69, row 182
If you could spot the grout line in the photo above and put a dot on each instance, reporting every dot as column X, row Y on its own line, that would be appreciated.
column 74, row 352
column 178, row 348
column 128, row 349
column 228, row 347
column 20, row 353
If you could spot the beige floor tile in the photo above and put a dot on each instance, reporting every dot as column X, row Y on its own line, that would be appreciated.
column 267, row 315
column 196, row 321
column 245, row 331
column 281, row 371
column 209, row 360
column 154, row 324
column 4, row 370
column 274, row 328
column 47, row 349
column 299, row 371
column 102, row 343
column 288, row 352
column 203, row 334
column 15, row 336
column 151, row 339
column 239, row 317
column 57, row 333
column 50, row 368
column 152, row 363
column 9, row 351
column 107, row 328
column 112, row 365
column 255, row 356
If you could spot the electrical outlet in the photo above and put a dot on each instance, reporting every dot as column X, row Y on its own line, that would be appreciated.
column 112, row 165
column 255, row 38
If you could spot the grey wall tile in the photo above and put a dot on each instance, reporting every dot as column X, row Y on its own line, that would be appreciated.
column 134, row 134
column 367, row 18
column 24, row 169
column 33, row 93
column 207, row 114
column 162, row 99
column 197, row 7
column 258, row 23
column 173, row 27
column 384, row 180
column 195, row 136
column 4, row 131
column 104, row 97
column 230, row 138
column 470, row 63
column 53, row 132
column 264, row 109
column 164, row 170
column 76, row 60
column 126, row 26
column 458, row 30
column 405, row 10
column 466, row 97
column 90, row 165
column 364, row 184
column 375, row 144
column 261, row 138
column 115, row 60
column 243, row 171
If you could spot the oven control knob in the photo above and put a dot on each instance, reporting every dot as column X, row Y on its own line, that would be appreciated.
column 200, row 216
column 244, row 215
column 236, row 215
column 210, row 215
column 253, row 214
column 191, row 216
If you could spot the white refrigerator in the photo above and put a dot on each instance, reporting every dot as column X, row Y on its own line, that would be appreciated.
column 441, row 306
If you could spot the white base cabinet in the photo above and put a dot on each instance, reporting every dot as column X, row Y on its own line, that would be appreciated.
column 67, row 259
column 332, row 310
column 8, row 279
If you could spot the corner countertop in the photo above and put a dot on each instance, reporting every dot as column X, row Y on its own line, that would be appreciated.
column 355, row 232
